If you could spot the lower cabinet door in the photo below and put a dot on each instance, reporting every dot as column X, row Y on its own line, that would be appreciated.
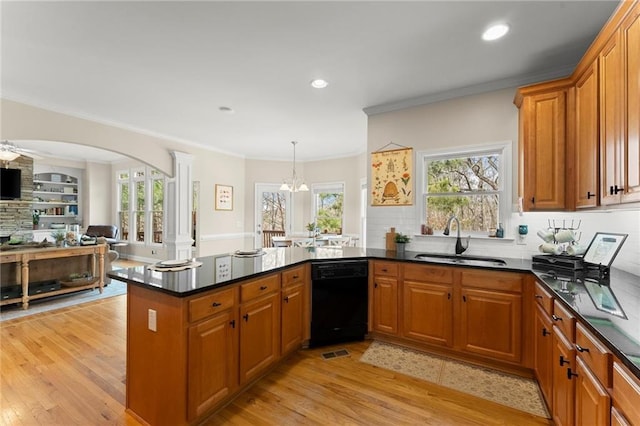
column 564, row 391
column 491, row 324
column 543, row 359
column 213, row 362
column 428, row 312
column 385, row 305
column 593, row 403
column 259, row 336
column 292, row 321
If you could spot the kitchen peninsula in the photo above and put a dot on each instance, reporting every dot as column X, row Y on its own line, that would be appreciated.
column 196, row 338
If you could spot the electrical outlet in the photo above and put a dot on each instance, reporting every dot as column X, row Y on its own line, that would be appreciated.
column 153, row 319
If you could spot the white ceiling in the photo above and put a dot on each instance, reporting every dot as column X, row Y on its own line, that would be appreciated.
column 165, row 68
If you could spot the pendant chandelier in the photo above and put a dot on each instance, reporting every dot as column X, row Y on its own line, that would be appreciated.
column 294, row 184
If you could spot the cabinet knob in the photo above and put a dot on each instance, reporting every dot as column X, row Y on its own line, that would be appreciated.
column 611, row 190
column 464, row 298
column 581, row 349
column 246, row 317
column 545, row 332
column 216, row 304
column 617, row 189
column 375, row 285
column 533, row 200
column 286, row 299
column 232, row 323
column 538, row 296
column 263, row 287
column 556, row 318
column 563, row 361
column 384, row 269
column 571, row 374
column 589, row 195
column 295, row 277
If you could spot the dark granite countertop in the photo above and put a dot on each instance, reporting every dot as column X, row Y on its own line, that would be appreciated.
column 611, row 312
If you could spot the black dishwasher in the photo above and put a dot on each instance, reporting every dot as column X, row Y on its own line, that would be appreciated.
column 338, row 301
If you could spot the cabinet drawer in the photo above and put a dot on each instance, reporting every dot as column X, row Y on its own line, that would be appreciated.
column 543, row 298
column 8, row 258
column 626, row 393
column 432, row 274
column 594, row 354
column 211, row 304
column 385, row 268
column 293, row 276
column 486, row 280
column 564, row 320
column 258, row 287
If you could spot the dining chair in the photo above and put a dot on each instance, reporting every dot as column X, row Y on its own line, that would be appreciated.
column 339, row 241
column 306, row 242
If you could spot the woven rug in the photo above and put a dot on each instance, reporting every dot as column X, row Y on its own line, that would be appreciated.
column 513, row 391
column 8, row 312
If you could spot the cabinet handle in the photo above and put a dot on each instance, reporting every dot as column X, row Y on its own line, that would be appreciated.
column 563, row 361
column 555, row 318
column 571, row 374
column 263, row 287
column 384, row 269
column 232, row 323
column 295, row 277
column 589, row 195
column 538, row 296
column 545, row 332
column 533, row 200
column 375, row 285
column 286, row 299
column 464, row 298
column 246, row 318
column 448, row 296
column 617, row 189
column 611, row 190
column 581, row 349
column 216, row 304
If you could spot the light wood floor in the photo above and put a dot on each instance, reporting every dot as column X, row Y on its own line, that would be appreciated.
column 68, row 367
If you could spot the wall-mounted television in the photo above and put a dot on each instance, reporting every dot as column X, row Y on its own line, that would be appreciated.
column 10, row 184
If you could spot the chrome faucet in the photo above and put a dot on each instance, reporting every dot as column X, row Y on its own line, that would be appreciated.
column 460, row 248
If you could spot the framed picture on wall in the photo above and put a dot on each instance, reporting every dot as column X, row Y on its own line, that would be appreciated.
column 391, row 177
column 224, row 197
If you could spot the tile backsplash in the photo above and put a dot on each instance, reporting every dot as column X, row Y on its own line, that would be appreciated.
column 380, row 220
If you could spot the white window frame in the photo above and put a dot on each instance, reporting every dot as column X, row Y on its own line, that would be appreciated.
column 505, row 170
column 333, row 187
column 148, row 179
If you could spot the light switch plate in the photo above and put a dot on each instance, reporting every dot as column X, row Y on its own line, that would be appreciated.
column 153, row 316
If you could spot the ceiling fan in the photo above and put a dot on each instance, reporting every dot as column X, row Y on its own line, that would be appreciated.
column 9, row 151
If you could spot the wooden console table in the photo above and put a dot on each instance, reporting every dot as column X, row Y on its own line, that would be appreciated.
column 31, row 265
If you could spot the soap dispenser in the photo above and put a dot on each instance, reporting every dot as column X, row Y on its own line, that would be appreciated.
column 500, row 231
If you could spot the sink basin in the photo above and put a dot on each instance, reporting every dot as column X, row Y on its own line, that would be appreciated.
column 461, row 260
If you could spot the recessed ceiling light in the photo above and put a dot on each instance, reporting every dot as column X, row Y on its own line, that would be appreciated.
column 226, row 110
column 319, row 83
column 495, row 32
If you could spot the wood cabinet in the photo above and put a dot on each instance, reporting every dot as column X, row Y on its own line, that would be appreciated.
column 542, row 145
column 592, row 119
column 585, row 152
column 427, row 305
column 259, row 326
column 213, row 359
column 543, row 359
column 490, row 318
column 292, row 317
column 620, row 114
column 564, row 364
column 593, row 403
column 626, row 394
column 385, row 297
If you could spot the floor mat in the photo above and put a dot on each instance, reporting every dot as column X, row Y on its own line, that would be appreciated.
column 513, row 391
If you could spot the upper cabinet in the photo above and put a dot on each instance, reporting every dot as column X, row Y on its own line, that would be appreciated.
column 585, row 146
column 542, row 145
column 579, row 137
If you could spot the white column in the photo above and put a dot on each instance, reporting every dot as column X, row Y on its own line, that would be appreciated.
column 179, row 205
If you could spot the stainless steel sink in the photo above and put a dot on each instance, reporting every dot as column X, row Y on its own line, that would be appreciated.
column 461, row 260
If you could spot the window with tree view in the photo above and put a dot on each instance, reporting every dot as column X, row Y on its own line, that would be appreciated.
column 466, row 186
column 329, row 205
